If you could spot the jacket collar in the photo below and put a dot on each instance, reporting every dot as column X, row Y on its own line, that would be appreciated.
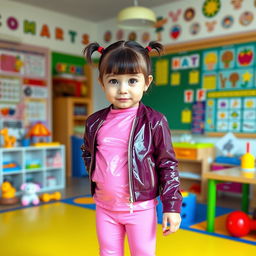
column 140, row 112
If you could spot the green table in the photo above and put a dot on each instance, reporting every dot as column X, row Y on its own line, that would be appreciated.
column 227, row 175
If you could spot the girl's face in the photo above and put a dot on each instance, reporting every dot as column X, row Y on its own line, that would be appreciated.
column 126, row 90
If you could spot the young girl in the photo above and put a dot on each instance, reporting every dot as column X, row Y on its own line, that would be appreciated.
column 128, row 153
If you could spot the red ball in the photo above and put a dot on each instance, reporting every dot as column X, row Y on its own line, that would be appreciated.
column 238, row 224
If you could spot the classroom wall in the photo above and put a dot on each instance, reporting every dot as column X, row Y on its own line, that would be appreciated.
column 32, row 25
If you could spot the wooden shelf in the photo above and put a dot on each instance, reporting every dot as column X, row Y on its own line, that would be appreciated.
column 80, row 117
column 70, row 77
column 191, row 169
column 189, row 160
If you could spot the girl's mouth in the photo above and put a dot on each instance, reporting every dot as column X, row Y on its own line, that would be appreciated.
column 123, row 99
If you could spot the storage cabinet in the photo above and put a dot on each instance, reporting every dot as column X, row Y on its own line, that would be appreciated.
column 69, row 115
column 42, row 165
column 194, row 159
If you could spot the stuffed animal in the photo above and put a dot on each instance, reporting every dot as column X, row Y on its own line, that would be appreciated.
column 29, row 193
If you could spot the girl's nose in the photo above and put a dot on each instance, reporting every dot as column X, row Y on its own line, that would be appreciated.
column 123, row 87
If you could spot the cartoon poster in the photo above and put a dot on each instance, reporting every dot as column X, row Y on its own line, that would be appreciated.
column 245, row 56
column 11, row 62
column 210, row 60
column 231, row 114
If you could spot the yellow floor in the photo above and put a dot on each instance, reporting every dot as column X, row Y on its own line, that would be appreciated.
column 60, row 229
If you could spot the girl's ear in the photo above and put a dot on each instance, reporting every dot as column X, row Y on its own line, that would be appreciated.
column 150, row 79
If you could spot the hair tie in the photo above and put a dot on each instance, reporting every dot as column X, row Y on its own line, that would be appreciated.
column 149, row 48
column 100, row 49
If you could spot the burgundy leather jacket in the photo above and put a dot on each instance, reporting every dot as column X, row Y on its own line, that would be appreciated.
column 152, row 164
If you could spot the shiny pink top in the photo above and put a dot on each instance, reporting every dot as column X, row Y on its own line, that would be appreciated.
column 111, row 170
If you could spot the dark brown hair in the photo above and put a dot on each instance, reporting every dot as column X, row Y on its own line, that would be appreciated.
column 123, row 57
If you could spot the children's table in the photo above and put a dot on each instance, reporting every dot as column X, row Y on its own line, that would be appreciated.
column 228, row 175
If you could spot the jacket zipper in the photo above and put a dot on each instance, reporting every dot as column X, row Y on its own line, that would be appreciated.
column 151, row 173
column 131, row 199
column 93, row 145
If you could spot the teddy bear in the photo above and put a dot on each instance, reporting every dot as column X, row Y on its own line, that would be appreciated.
column 29, row 193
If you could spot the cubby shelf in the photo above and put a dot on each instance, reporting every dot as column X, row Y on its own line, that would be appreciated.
column 49, row 172
column 194, row 160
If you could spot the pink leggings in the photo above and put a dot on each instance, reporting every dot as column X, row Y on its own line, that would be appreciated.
column 140, row 227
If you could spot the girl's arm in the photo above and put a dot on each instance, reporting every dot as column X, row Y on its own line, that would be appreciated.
column 86, row 154
column 167, row 168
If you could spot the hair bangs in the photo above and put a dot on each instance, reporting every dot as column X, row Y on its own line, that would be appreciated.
column 124, row 61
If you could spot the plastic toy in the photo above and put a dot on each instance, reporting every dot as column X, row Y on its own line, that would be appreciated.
column 188, row 209
column 54, row 160
column 9, row 141
column 47, row 197
column 33, row 164
column 8, row 194
column 240, row 224
column 39, row 133
column 248, row 162
column 29, row 193
column 10, row 166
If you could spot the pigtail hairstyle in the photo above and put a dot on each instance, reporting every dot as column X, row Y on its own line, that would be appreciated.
column 89, row 50
column 154, row 45
column 123, row 57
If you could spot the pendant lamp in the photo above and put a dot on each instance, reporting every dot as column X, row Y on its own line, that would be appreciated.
column 136, row 17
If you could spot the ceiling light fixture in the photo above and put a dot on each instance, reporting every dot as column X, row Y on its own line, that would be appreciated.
column 136, row 17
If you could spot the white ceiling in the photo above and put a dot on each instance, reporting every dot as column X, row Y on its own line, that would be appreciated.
column 91, row 10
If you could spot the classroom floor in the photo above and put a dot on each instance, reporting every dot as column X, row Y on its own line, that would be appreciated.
column 63, row 228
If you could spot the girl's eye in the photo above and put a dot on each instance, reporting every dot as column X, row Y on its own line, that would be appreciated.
column 113, row 81
column 133, row 81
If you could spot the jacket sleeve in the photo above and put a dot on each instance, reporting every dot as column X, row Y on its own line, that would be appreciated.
column 86, row 154
column 167, row 168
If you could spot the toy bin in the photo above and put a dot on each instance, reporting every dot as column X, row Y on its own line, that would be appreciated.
column 188, row 210
column 78, row 167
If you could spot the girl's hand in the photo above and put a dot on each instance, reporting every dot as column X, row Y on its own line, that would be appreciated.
column 173, row 219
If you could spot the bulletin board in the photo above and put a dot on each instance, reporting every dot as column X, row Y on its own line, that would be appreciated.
column 207, row 86
column 25, row 87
